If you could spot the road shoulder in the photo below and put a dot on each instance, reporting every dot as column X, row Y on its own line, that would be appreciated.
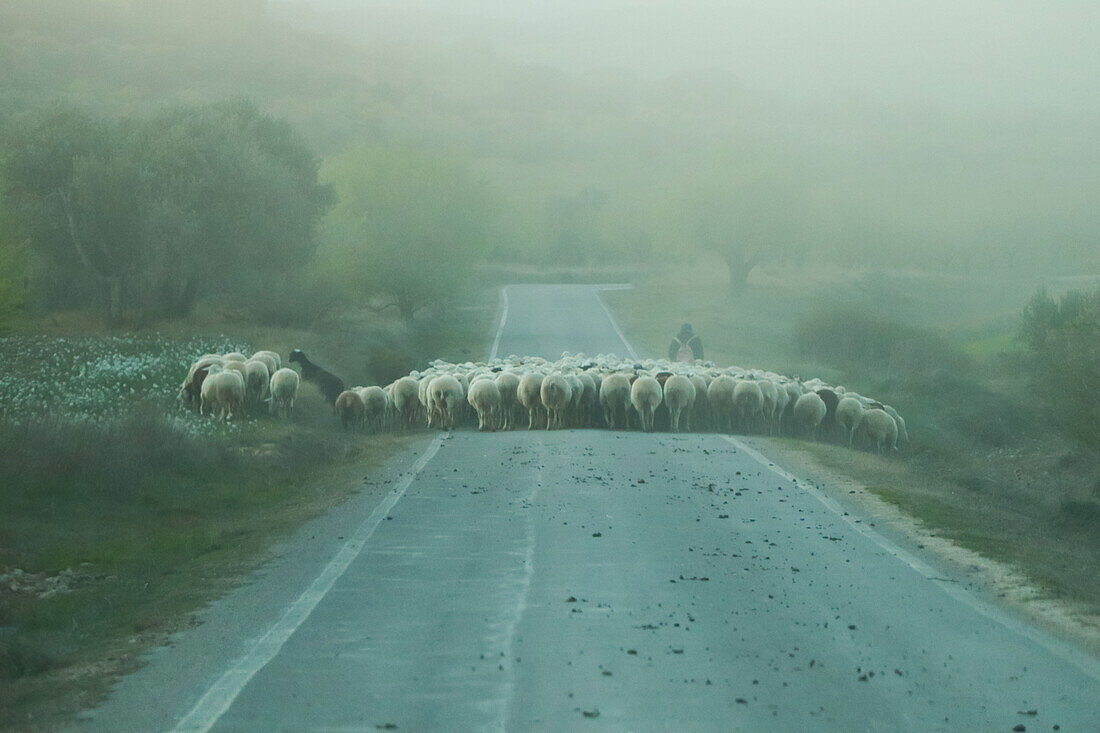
column 993, row 582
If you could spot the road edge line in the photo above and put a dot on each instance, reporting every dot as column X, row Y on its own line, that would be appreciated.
column 221, row 695
column 503, row 320
column 614, row 324
column 1083, row 661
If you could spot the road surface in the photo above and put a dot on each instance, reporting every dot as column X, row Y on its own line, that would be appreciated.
column 594, row 580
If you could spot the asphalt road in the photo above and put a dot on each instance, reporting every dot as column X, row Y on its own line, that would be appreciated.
column 590, row 580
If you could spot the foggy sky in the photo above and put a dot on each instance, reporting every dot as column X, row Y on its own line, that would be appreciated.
column 960, row 54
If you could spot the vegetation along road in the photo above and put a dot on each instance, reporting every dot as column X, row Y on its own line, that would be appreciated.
column 596, row 579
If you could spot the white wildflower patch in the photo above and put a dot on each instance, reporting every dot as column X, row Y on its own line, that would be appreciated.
column 89, row 379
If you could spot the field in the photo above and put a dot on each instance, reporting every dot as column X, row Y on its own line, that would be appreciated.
column 122, row 515
column 985, row 467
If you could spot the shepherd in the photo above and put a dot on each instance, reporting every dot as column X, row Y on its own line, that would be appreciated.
column 685, row 346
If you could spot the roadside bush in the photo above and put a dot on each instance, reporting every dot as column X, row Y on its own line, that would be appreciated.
column 1063, row 341
column 862, row 343
column 928, row 377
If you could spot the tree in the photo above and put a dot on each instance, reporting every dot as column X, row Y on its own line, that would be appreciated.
column 410, row 225
column 156, row 212
column 748, row 216
column 1063, row 338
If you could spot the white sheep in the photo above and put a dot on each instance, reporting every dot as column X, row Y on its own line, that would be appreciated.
column 645, row 396
column 190, row 391
column 349, row 408
column 445, row 399
column 484, row 397
column 809, row 411
column 283, row 389
column 680, row 399
column 222, row 393
column 879, row 428
column 770, row 394
column 720, row 399
column 615, row 399
column 555, row 392
column 529, row 394
column 848, row 413
column 508, row 385
column 903, row 434
column 375, row 406
column 256, row 379
column 748, row 403
column 273, row 361
column 405, row 400
column 700, row 411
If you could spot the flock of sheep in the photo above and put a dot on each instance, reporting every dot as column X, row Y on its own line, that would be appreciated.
column 573, row 392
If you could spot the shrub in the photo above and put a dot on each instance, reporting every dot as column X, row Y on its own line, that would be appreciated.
column 1063, row 340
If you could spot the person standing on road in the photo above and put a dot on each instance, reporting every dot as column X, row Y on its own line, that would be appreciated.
column 685, row 346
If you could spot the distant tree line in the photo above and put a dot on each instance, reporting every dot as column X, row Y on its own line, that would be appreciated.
column 141, row 217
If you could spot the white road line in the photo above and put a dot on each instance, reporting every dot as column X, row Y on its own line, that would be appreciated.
column 503, row 320
column 217, row 700
column 614, row 324
column 1066, row 652
column 509, row 693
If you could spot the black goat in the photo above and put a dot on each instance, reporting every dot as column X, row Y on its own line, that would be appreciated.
column 330, row 385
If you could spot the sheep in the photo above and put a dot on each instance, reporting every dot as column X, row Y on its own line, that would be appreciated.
column 349, row 408
column 507, row 385
column 615, row 398
column 484, row 397
column 794, row 391
column 770, row 393
column 645, row 396
column 330, row 385
column 190, row 391
column 903, row 434
column 236, row 365
column 699, row 414
column 283, row 389
column 445, row 397
column 589, row 397
column 782, row 399
column 235, row 356
column 375, row 406
column 405, row 400
column 809, row 411
column 270, row 359
column 720, row 398
column 556, row 394
column 529, row 393
column 576, row 400
column 877, row 425
column 848, row 413
column 748, row 403
column 256, row 377
column 222, row 393
column 679, row 398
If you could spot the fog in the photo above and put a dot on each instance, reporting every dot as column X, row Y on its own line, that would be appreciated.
column 978, row 55
column 920, row 134
column 957, row 138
